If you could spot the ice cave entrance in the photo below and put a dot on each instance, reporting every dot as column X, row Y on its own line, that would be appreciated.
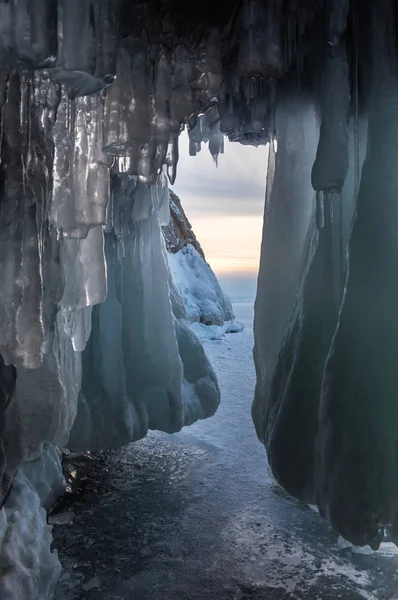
column 224, row 203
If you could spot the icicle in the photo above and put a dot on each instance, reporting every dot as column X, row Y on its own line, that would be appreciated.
column 216, row 145
column 172, row 159
column 83, row 265
column 181, row 103
column 161, row 112
column 207, row 82
column 127, row 117
column 331, row 164
column 81, row 170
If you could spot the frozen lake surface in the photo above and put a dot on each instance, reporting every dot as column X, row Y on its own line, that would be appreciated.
column 195, row 516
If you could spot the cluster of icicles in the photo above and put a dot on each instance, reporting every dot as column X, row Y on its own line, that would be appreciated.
column 90, row 119
column 86, row 319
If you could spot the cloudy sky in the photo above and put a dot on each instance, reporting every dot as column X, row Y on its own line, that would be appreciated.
column 225, row 206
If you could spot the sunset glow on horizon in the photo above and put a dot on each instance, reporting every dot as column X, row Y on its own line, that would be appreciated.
column 231, row 243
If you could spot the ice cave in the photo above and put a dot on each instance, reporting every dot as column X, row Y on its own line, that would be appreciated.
column 105, row 290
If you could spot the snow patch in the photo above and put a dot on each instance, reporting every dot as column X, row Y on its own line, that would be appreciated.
column 385, row 548
column 216, row 332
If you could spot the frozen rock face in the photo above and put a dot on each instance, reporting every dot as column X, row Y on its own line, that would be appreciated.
column 205, row 302
column 204, row 299
column 178, row 232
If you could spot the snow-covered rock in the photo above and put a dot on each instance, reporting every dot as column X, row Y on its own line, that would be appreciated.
column 178, row 232
column 204, row 299
column 205, row 302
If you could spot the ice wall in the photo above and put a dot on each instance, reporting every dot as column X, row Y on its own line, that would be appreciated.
column 325, row 323
column 134, row 373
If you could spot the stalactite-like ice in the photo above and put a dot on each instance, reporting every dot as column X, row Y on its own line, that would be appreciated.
column 81, row 170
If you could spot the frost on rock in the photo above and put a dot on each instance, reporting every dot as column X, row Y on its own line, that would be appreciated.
column 29, row 568
column 205, row 302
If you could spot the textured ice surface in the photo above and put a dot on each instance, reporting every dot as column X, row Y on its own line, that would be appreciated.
column 29, row 569
column 325, row 334
column 360, row 496
column 46, row 476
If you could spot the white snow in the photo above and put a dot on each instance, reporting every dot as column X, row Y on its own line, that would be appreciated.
column 385, row 548
column 216, row 332
column 28, row 568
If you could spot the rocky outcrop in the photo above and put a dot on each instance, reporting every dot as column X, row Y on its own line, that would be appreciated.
column 178, row 233
column 205, row 302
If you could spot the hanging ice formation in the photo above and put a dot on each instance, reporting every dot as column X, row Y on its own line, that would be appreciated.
column 93, row 342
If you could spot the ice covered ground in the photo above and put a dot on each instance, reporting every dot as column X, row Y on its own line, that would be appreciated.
column 194, row 516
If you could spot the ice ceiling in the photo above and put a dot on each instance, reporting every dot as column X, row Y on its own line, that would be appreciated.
column 86, row 323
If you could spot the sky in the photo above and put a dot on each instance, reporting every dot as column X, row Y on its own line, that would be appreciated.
column 225, row 206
